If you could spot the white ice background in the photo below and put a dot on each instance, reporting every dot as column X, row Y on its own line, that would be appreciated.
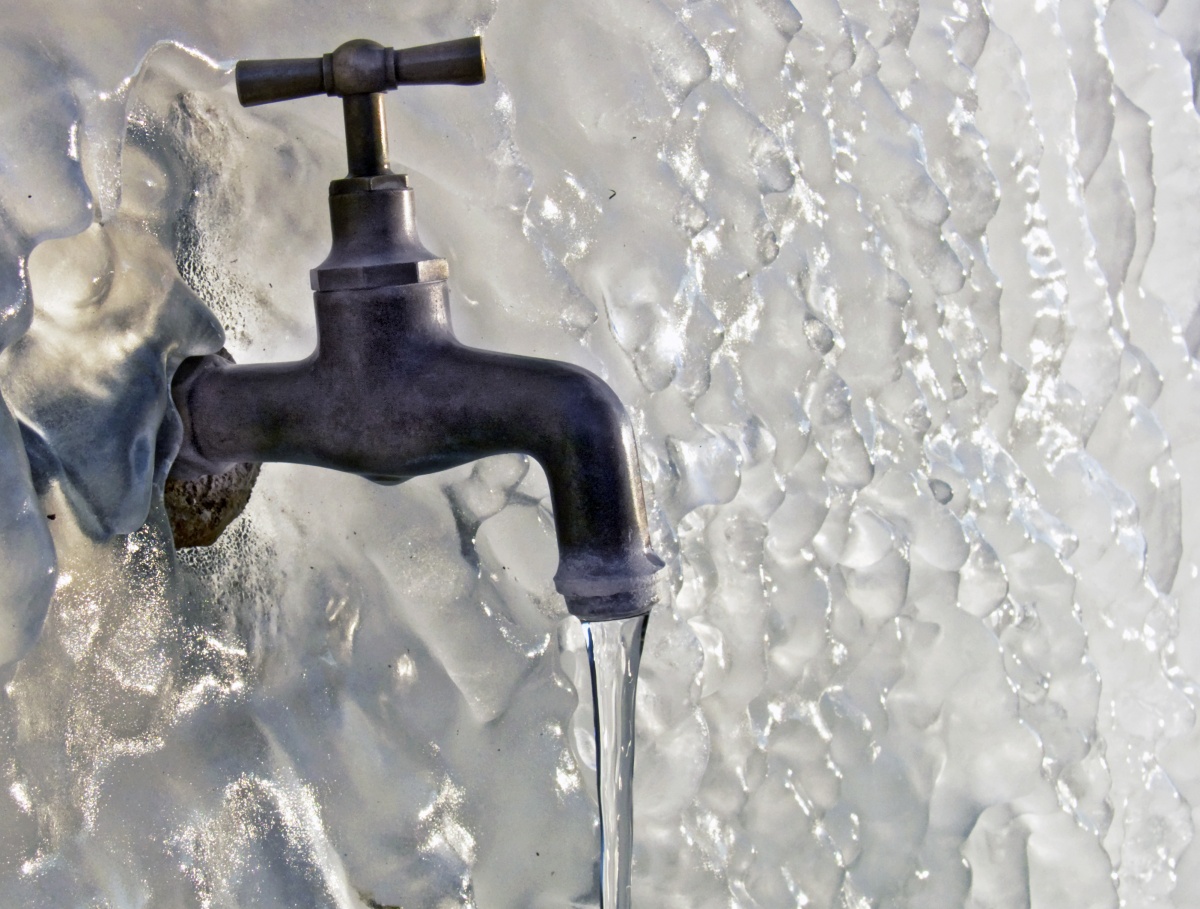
column 903, row 300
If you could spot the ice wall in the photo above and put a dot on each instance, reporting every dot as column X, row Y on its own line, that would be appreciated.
column 902, row 299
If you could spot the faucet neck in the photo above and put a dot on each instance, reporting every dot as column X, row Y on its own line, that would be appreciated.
column 375, row 242
column 368, row 329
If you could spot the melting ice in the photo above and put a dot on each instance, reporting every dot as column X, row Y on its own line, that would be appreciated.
column 904, row 302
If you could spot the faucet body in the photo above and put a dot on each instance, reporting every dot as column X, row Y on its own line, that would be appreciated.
column 390, row 393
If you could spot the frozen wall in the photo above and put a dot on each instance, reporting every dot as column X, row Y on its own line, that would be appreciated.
column 904, row 304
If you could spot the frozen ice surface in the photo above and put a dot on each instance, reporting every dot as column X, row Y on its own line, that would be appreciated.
column 904, row 302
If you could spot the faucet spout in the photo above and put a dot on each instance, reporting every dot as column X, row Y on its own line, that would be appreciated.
column 390, row 393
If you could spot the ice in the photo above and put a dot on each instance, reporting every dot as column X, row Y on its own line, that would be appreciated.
column 903, row 303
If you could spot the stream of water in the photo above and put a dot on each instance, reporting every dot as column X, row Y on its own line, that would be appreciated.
column 614, row 654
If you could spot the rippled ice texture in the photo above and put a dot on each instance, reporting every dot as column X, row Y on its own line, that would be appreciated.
column 904, row 304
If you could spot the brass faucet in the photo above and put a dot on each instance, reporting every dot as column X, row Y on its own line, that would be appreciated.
column 390, row 393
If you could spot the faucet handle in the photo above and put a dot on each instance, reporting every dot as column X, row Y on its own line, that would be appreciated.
column 361, row 68
column 359, row 72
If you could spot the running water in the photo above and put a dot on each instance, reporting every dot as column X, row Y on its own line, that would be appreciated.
column 614, row 654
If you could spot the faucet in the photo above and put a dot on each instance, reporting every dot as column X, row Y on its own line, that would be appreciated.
column 390, row 393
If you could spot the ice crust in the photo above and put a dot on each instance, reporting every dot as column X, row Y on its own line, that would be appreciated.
column 903, row 300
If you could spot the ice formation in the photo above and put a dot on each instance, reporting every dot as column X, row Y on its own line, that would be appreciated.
column 903, row 299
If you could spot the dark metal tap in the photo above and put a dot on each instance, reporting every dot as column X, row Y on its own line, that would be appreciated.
column 390, row 393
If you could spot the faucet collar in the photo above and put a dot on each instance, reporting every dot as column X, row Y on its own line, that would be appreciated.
column 375, row 242
column 368, row 184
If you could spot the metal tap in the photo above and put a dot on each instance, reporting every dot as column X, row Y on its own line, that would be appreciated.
column 390, row 393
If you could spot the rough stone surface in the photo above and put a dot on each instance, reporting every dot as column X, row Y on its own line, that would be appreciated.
column 201, row 509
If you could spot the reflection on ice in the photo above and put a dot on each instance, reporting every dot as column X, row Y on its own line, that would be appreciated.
column 904, row 306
